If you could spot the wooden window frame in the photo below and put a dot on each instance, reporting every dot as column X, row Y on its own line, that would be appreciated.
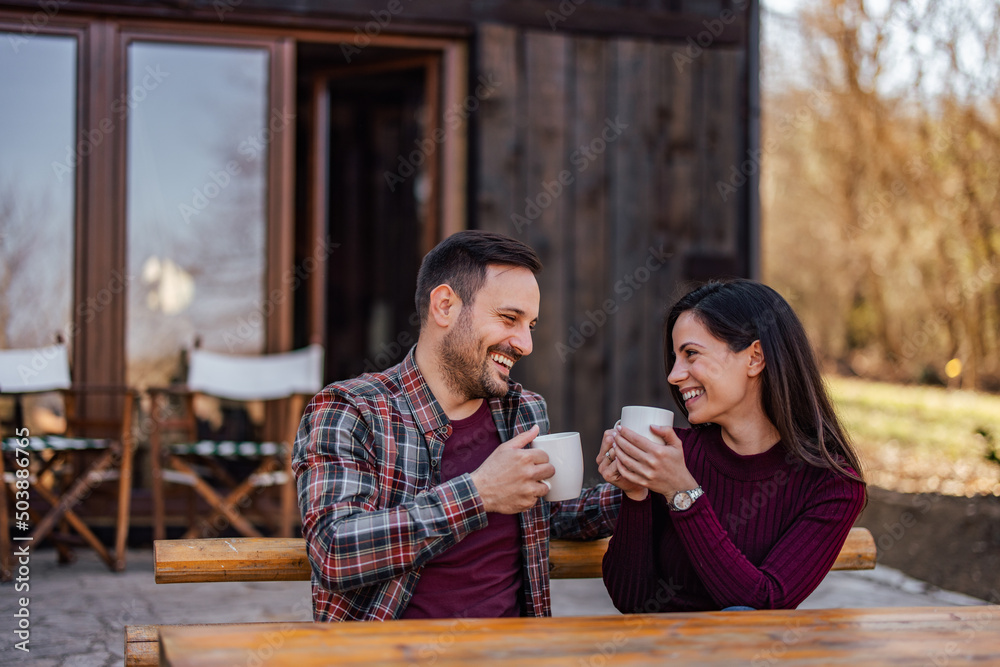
column 100, row 225
column 80, row 30
column 279, row 212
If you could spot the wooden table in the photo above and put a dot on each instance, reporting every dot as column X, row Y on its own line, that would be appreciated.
column 887, row 636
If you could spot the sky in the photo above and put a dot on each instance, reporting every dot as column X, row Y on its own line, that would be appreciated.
column 904, row 50
column 37, row 132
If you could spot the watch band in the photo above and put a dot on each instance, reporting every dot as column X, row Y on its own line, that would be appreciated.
column 683, row 500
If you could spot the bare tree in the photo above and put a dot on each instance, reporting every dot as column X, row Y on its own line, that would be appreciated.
column 36, row 261
column 883, row 206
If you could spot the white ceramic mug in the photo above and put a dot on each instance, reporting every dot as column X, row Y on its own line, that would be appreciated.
column 640, row 417
column 566, row 454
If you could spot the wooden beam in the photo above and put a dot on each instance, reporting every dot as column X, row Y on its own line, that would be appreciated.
column 280, row 190
column 230, row 559
column 706, row 27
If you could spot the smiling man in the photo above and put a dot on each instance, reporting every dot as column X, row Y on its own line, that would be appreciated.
column 420, row 497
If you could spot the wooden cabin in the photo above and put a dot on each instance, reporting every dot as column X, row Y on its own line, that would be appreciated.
column 261, row 175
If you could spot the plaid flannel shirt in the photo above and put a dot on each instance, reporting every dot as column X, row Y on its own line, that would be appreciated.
column 367, row 463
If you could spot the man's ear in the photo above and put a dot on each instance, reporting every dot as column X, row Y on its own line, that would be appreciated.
column 756, row 359
column 445, row 305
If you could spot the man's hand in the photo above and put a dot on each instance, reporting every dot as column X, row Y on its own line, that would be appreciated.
column 510, row 480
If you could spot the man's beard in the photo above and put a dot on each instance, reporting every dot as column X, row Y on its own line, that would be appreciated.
column 465, row 371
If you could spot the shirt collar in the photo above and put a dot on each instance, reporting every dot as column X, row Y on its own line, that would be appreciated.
column 426, row 409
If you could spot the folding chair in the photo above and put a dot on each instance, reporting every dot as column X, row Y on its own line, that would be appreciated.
column 287, row 380
column 61, row 471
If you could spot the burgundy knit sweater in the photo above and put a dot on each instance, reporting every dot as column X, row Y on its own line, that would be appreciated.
column 764, row 535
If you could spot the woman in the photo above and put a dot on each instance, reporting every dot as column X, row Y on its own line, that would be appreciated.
column 749, row 508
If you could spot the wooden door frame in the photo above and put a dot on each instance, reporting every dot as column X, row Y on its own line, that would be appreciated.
column 318, row 208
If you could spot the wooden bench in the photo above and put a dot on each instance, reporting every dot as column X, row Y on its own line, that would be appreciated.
column 285, row 559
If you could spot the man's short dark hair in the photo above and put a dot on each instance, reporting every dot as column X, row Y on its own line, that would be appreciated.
column 461, row 260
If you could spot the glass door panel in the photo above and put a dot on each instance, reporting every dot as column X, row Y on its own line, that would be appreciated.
column 38, row 158
column 197, row 151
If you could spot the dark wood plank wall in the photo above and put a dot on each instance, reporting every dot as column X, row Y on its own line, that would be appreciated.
column 590, row 238
column 547, row 133
column 649, row 189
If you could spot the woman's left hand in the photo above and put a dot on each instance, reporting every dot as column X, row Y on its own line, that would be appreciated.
column 658, row 467
column 607, row 465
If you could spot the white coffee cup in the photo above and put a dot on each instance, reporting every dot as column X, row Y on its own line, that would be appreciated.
column 640, row 417
column 566, row 454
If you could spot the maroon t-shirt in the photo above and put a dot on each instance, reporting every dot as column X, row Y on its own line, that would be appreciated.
column 480, row 577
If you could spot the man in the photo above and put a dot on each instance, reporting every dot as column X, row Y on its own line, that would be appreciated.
column 419, row 496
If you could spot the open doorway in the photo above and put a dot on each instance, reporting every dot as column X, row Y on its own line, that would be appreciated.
column 368, row 186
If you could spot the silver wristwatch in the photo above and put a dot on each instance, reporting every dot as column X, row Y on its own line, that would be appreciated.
column 683, row 500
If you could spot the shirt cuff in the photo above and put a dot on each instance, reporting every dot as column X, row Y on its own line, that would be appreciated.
column 463, row 505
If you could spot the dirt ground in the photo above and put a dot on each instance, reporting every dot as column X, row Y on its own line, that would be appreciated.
column 952, row 542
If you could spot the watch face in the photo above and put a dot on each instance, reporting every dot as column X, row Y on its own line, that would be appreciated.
column 682, row 500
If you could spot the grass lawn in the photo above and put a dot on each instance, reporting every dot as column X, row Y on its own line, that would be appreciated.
column 916, row 438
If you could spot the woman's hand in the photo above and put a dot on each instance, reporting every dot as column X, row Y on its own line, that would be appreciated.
column 651, row 465
column 607, row 465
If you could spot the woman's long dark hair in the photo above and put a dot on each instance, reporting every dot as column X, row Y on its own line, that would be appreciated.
column 793, row 394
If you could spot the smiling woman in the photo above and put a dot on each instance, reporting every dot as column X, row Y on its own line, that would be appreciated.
column 780, row 481
column 788, row 397
column 714, row 381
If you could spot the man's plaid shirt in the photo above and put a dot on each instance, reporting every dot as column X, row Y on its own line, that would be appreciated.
column 367, row 462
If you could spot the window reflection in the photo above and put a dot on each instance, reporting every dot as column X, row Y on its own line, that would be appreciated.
column 196, row 197
column 37, row 169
